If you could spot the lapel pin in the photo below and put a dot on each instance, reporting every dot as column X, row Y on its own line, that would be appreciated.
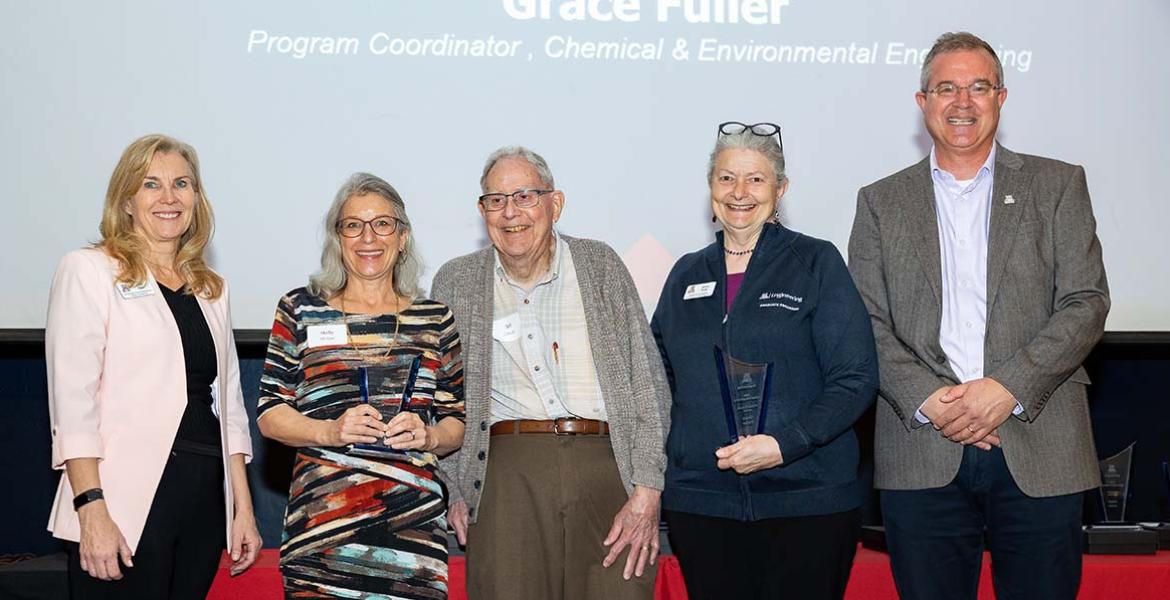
column 1008, row 199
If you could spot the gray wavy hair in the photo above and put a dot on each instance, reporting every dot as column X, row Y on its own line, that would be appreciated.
column 537, row 161
column 746, row 140
column 331, row 279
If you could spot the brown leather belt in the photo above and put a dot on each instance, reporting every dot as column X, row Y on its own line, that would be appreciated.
column 556, row 427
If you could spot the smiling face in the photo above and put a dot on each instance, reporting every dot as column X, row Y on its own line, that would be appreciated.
column 522, row 236
column 370, row 256
column 963, row 126
column 164, row 204
column 744, row 191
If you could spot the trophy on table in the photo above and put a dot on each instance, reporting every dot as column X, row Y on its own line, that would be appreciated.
column 372, row 383
column 1115, row 535
column 745, row 387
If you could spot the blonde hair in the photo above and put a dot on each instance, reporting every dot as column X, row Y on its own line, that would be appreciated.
column 122, row 243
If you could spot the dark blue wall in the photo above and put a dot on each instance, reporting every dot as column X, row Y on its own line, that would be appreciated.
column 28, row 484
column 1128, row 403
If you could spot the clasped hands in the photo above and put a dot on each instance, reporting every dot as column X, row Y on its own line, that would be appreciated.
column 970, row 413
column 362, row 424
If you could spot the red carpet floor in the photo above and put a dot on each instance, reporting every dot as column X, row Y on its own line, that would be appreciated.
column 1105, row 578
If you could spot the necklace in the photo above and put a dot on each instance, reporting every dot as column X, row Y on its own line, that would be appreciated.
column 739, row 252
column 393, row 339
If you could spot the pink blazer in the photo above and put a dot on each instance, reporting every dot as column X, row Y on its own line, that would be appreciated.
column 117, row 388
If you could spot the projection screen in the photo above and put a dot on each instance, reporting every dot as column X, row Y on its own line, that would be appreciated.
column 283, row 100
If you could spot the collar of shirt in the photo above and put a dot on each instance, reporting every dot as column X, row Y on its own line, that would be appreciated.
column 555, row 264
column 946, row 179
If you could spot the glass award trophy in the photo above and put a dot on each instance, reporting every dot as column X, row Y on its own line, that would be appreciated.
column 1114, row 535
column 371, row 381
column 1115, row 485
column 745, row 387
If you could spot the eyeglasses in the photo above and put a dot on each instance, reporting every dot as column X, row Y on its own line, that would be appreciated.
column 521, row 198
column 979, row 89
column 383, row 226
column 760, row 129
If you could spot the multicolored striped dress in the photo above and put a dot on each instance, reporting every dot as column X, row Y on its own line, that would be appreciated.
column 356, row 526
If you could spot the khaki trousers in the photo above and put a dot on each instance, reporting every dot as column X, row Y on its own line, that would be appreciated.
column 547, row 505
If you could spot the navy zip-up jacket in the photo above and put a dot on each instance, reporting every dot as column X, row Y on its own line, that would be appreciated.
column 799, row 310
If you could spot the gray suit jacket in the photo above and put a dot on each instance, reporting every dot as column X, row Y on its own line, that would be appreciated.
column 1047, row 299
column 633, row 382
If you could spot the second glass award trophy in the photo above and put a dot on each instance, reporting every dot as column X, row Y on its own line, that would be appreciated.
column 1115, row 485
column 745, row 388
column 1114, row 535
column 370, row 381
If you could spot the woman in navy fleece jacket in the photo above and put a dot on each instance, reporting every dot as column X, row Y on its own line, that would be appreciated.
column 774, row 515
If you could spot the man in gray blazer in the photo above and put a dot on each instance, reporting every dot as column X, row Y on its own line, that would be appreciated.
column 983, row 277
column 562, row 464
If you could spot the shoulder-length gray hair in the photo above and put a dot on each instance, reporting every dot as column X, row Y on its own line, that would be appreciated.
column 332, row 277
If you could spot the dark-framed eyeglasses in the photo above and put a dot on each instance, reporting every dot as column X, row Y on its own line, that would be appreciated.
column 521, row 198
column 760, row 129
column 979, row 89
column 383, row 225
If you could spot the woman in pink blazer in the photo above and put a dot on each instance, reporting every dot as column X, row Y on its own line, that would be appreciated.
column 145, row 405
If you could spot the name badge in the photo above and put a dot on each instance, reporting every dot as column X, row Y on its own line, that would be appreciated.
column 699, row 290
column 507, row 329
column 326, row 335
column 129, row 292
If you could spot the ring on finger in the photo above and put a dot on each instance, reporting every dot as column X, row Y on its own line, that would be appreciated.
column 971, row 429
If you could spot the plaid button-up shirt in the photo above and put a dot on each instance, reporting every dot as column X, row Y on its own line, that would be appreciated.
column 542, row 361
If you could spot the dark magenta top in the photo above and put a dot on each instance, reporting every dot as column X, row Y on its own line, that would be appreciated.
column 734, row 280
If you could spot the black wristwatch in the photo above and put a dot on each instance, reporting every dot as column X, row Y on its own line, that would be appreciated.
column 86, row 497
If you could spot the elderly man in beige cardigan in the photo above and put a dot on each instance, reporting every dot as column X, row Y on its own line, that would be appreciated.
column 561, row 468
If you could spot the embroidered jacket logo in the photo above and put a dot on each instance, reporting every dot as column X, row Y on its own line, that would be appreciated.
column 780, row 300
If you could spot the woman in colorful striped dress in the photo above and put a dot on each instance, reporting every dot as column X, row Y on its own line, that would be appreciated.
column 365, row 379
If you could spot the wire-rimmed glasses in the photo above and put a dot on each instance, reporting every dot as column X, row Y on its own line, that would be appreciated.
column 979, row 89
column 521, row 198
column 383, row 225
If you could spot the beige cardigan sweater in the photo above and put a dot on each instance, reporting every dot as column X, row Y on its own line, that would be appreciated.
column 633, row 382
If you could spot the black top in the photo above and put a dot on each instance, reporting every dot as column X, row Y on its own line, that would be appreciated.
column 199, row 429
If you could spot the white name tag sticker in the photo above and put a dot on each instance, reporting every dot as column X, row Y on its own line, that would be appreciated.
column 326, row 335
column 699, row 290
column 507, row 329
column 134, row 291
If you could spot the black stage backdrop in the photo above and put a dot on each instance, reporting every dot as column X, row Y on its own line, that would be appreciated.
column 1128, row 400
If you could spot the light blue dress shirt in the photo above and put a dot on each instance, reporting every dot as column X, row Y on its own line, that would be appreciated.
column 963, row 210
